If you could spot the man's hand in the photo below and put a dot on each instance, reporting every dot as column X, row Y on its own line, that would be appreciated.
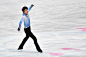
column 18, row 29
column 32, row 5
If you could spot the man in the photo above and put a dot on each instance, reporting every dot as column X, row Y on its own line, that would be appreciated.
column 27, row 28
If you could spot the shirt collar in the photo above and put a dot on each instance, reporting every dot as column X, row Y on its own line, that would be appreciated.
column 25, row 15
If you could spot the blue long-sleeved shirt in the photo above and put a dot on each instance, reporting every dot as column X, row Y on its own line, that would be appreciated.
column 26, row 19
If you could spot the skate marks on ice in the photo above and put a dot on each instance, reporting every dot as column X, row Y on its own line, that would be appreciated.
column 55, row 43
column 9, row 48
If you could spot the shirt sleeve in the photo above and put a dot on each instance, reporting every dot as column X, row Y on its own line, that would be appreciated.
column 29, row 8
column 21, row 22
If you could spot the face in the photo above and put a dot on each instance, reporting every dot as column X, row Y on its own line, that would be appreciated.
column 26, row 11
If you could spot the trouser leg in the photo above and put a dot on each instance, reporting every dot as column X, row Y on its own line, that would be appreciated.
column 25, row 39
column 35, row 41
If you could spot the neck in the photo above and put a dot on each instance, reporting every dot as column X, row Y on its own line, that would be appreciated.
column 24, row 13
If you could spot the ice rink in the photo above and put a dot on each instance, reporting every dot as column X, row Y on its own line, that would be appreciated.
column 59, row 25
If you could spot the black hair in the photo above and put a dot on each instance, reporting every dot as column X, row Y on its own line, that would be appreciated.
column 24, row 8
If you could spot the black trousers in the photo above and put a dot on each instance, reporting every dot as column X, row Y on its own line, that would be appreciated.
column 29, row 34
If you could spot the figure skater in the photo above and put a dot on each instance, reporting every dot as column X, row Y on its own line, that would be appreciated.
column 27, row 29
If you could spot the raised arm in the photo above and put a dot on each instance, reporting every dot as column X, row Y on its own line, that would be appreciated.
column 30, row 7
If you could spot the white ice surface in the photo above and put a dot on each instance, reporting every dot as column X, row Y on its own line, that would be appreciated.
column 53, row 22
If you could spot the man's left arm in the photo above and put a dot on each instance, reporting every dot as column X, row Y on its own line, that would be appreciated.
column 30, row 7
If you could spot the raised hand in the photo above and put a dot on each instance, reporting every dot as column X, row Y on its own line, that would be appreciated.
column 32, row 5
